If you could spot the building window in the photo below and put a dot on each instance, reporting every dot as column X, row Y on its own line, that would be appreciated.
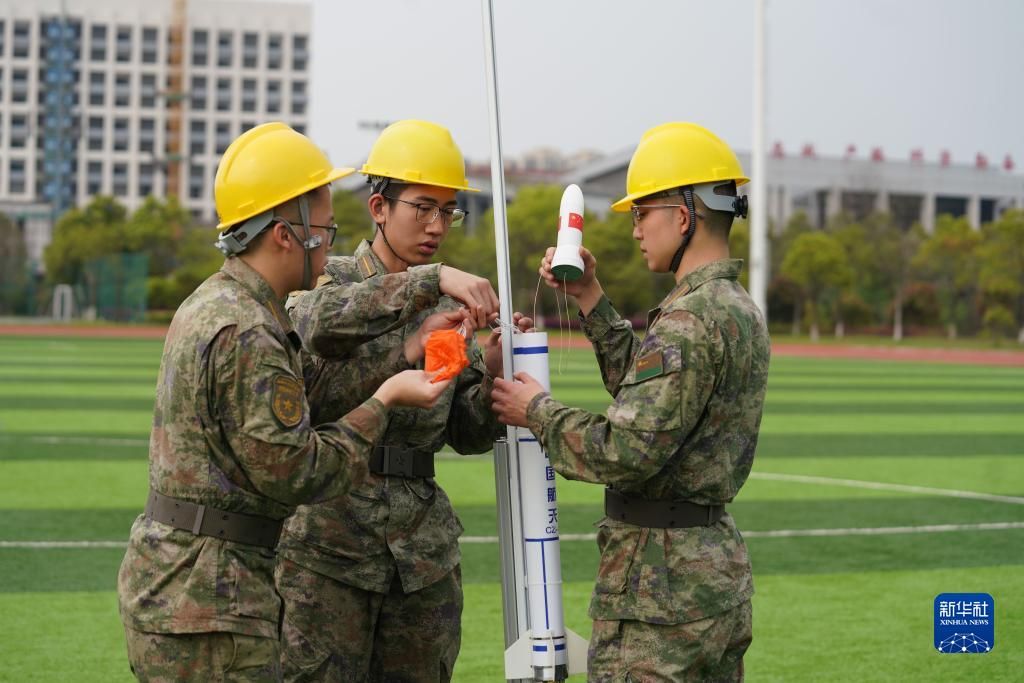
column 299, row 128
column 197, row 99
column 300, row 52
column 124, row 44
column 97, row 88
column 122, row 90
column 200, row 47
column 197, row 137
column 145, row 180
column 22, row 33
column 16, row 176
column 223, row 94
column 120, row 180
column 195, row 181
column 149, row 45
column 250, row 50
column 247, row 125
column 249, row 92
column 147, row 91
column 3, row 32
column 147, row 135
column 273, row 96
column 98, row 49
column 95, row 135
column 274, row 43
column 299, row 97
column 223, row 136
column 19, row 131
column 121, row 135
column 94, row 179
column 19, row 85
column 1, row 68
column 225, row 46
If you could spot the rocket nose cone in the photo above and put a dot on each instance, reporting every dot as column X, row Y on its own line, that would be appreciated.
column 572, row 200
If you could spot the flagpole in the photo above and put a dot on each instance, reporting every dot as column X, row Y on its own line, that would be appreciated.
column 758, row 196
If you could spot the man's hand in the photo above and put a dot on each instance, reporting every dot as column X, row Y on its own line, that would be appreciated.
column 492, row 346
column 475, row 293
column 416, row 344
column 411, row 388
column 587, row 290
column 510, row 399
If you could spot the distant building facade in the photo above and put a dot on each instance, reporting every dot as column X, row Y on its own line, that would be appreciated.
column 86, row 98
column 911, row 191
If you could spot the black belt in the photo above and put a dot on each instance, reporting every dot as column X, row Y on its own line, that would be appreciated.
column 204, row 520
column 402, row 462
column 659, row 514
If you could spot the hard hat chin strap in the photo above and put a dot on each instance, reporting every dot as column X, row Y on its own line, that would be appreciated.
column 677, row 258
column 308, row 241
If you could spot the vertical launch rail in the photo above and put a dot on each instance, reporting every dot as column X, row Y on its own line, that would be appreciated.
column 538, row 647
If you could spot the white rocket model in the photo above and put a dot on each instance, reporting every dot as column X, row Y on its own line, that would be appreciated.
column 567, row 264
column 547, row 651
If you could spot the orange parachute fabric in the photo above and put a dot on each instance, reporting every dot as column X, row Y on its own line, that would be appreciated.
column 446, row 353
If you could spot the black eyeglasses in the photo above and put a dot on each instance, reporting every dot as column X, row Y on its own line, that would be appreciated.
column 638, row 209
column 428, row 213
column 331, row 229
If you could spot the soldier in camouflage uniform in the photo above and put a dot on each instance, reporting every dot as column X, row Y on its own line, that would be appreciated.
column 672, row 597
column 371, row 583
column 233, row 449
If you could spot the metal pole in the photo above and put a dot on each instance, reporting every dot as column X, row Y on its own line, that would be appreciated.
column 758, row 199
column 506, row 457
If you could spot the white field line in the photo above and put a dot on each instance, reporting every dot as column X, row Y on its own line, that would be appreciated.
column 79, row 440
column 882, row 486
column 775, row 533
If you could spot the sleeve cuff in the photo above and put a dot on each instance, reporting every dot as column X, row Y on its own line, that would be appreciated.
column 538, row 412
column 600, row 321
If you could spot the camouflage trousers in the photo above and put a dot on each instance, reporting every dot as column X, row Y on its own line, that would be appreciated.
column 705, row 650
column 217, row 657
column 335, row 632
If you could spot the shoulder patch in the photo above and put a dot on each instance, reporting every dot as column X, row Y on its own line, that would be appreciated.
column 286, row 400
column 650, row 365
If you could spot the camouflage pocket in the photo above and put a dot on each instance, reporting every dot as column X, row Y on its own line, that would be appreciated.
column 618, row 545
column 248, row 575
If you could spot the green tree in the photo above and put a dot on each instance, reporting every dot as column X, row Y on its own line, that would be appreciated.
column 739, row 247
column 155, row 229
column 13, row 265
column 817, row 264
column 621, row 267
column 353, row 219
column 83, row 235
column 948, row 259
column 1001, row 270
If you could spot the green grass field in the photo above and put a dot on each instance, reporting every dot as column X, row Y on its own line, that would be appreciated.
column 845, row 445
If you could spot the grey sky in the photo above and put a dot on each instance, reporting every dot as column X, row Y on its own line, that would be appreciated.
column 573, row 74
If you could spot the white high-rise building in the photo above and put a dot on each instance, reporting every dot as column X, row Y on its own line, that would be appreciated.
column 87, row 97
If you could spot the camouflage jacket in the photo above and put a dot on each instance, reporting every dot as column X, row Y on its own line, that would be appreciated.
column 231, row 429
column 683, row 426
column 388, row 523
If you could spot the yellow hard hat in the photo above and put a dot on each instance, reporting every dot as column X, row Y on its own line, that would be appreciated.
column 265, row 167
column 418, row 152
column 676, row 154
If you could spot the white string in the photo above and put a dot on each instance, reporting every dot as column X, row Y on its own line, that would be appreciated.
column 536, row 293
